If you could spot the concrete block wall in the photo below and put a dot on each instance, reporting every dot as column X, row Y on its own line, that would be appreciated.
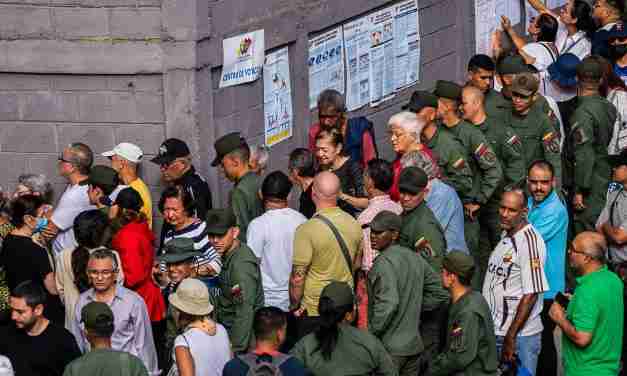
column 106, row 71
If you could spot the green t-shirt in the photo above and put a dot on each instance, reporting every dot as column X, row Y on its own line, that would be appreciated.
column 597, row 308
column 105, row 362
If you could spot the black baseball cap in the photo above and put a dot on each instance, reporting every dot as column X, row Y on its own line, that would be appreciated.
column 169, row 150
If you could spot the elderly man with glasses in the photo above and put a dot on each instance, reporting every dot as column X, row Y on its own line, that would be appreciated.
column 132, row 330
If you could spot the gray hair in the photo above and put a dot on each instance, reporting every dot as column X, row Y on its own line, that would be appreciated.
column 410, row 122
column 331, row 98
column 261, row 153
column 81, row 157
column 37, row 183
column 419, row 159
column 103, row 254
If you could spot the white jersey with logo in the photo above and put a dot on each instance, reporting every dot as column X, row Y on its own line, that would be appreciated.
column 516, row 268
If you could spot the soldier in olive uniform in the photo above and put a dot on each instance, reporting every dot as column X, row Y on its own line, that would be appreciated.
column 421, row 231
column 470, row 347
column 240, row 279
column 178, row 256
column 508, row 149
column 401, row 284
column 481, row 76
column 487, row 172
column 538, row 131
column 233, row 155
column 338, row 348
column 591, row 131
column 450, row 154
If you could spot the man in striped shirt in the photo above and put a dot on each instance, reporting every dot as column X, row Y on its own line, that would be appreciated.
column 515, row 282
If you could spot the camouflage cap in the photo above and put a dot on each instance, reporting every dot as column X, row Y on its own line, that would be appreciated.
column 458, row 262
column 386, row 221
column 447, row 89
column 525, row 84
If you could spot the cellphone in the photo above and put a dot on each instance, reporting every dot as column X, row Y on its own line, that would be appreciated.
column 562, row 300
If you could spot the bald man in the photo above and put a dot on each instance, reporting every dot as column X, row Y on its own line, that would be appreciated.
column 318, row 257
column 507, row 147
column 592, row 326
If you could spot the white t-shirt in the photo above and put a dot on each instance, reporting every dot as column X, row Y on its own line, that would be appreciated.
column 271, row 238
column 210, row 353
column 516, row 268
column 545, row 55
column 73, row 202
column 577, row 44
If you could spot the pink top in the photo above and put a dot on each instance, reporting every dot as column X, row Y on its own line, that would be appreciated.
column 375, row 205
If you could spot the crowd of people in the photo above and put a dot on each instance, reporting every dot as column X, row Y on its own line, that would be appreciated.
column 494, row 243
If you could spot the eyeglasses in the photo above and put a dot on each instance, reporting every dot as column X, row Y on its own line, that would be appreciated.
column 165, row 166
column 573, row 250
column 105, row 273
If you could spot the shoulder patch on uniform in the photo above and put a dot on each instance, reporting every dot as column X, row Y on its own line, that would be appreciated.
column 423, row 246
column 460, row 163
column 579, row 136
column 457, row 337
column 551, row 142
column 481, row 149
column 514, row 140
column 236, row 293
column 484, row 153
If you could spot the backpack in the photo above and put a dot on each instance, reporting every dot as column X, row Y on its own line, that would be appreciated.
column 261, row 367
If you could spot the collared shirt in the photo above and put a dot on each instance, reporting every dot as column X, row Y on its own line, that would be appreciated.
column 375, row 206
column 515, row 269
column 73, row 202
column 274, row 249
column 133, row 332
column 448, row 210
column 550, row 218
column 577, row 44
column 615, row 213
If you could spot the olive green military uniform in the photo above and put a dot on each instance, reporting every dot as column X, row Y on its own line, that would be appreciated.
column 401, row 284
column 422, row 232
column 470, row 347
column 487, row 176
column 245, row 201
column 540, row 137
column 356, row 353
column 452, row 160
column 508, row 149
column 498, row 107
column 106, row 362
column 242, row 295
column 592, row 125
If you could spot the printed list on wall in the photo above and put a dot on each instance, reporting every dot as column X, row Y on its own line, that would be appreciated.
column 370, row 58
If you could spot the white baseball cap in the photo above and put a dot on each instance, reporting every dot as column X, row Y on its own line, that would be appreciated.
column 128, row 151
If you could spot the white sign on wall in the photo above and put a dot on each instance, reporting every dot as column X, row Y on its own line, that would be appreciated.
column 243, row 58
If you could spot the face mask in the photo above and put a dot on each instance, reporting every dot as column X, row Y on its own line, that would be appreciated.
column 42, row 223
column 618, row 51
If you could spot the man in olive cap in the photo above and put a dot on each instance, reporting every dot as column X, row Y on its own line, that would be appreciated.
column 421, row 231
column 448, row 152
column 486, row 169
column 179, row 259
column 101, row 360
column 470, row 341
column 401, row 284
column 539, row 132
column 233, row 156
column 239, row 281
column 590, row 134
column 612, row 222
column 101, row 182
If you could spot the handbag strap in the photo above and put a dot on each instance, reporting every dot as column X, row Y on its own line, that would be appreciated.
column 340, row 240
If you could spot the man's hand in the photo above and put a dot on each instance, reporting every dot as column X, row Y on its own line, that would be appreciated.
column 508, row 350
column 578, row 202
column 557, row 313
column 506, row 24
column 470, row 210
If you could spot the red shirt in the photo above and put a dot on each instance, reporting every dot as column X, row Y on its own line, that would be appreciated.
column 396, row 167
column 134, row 244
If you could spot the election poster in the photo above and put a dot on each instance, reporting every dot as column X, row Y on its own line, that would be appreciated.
column 407, row 44
column 326, row 64
column 243, row 58
column 485, row 23
column 277, row 101
column 382, row 82
column 357, row 45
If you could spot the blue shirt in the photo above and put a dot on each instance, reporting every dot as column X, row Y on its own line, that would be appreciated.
column 550, row 218
column 448, row 210
column 621, row 72
column 292, row 366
